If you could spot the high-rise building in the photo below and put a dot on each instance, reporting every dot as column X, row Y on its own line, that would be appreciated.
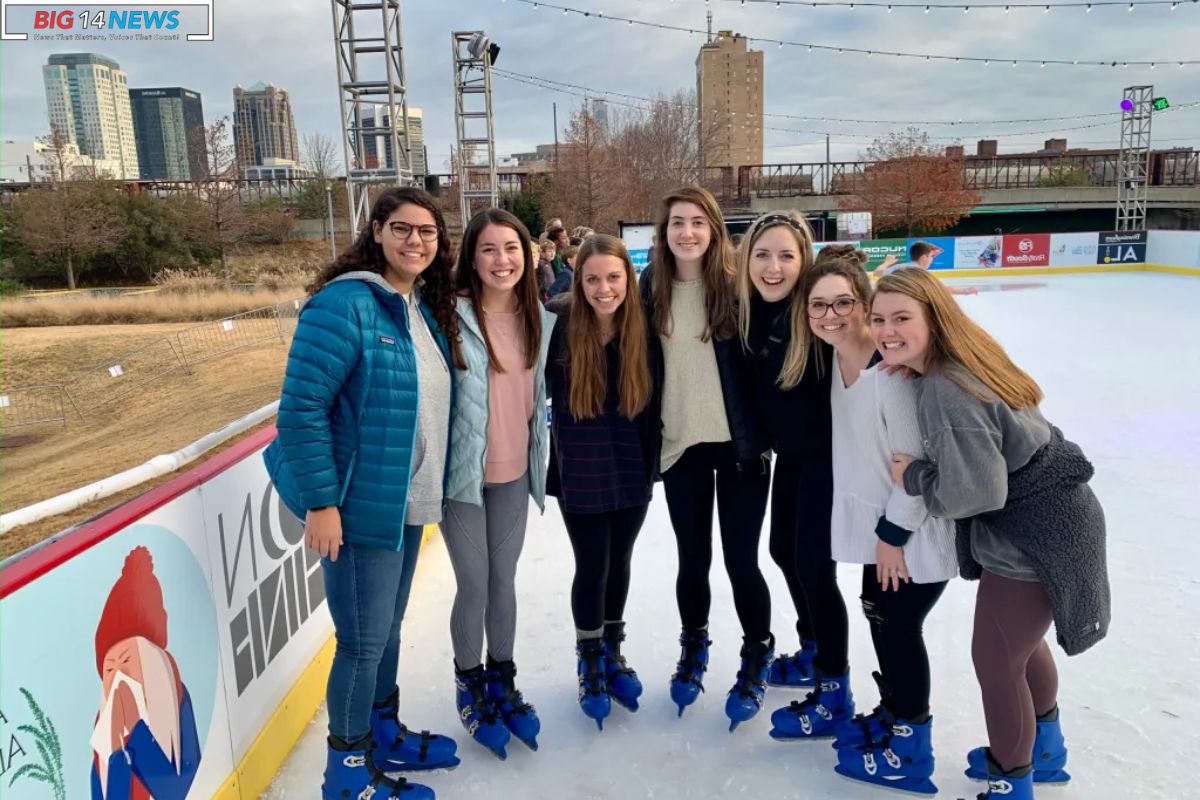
column 87, row 98
column 169, row 126
column 376, row 143
column 263, row 126
column 729, row 89
column 600, row 114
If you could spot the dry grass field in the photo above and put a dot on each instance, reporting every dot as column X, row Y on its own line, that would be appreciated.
column 40, row 461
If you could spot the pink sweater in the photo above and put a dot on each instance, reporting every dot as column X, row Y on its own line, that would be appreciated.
column 510, row 401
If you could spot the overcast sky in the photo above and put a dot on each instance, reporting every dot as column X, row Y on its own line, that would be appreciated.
column 290, row 43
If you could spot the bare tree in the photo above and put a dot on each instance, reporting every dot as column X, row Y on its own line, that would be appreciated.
column 320, row 155
column 911, row 185
column 58, row 158
column 224, row 221
column 69, row 221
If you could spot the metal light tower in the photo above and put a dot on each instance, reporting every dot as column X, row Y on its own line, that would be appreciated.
column 473, row 55
column 1133, row 162
column 368, row 40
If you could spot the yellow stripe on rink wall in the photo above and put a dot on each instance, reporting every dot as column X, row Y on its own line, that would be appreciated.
column 266, row 756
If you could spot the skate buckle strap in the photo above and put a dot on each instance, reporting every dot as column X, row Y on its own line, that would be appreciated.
column 355, row 761
column 423, row 748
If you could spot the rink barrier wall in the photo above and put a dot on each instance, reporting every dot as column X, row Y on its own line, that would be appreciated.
column 242, row 604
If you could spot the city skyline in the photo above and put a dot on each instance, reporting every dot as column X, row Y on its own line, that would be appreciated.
column 642, row 62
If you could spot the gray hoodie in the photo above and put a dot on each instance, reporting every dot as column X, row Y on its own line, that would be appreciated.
column 1018, row 492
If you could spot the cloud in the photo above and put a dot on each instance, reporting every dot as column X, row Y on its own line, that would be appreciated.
column 291, row 45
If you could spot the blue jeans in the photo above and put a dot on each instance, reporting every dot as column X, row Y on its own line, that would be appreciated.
column 367, row 590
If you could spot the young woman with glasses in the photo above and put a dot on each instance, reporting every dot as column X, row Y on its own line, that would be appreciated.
column 907, row 556
column 360, row 455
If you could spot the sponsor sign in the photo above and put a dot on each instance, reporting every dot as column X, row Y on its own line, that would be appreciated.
column 1121, row 247
column 1026, row 250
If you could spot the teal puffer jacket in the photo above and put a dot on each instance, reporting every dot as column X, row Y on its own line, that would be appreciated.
column 469, row 420
column 348, row 411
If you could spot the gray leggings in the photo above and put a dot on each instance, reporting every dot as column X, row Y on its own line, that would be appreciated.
column 484, row 543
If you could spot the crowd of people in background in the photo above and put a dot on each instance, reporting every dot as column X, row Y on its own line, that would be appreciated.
column 877, row 426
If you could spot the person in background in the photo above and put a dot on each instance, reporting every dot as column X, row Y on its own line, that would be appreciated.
column 582, row 232
column 545, row 267
column 1029, row 527
column 566, row 276
column 558, row 235
column 360, row 453
column 920, row 256
column 605, row 440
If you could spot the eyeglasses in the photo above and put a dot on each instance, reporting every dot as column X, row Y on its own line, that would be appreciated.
column 402, row 230
column 841, row 307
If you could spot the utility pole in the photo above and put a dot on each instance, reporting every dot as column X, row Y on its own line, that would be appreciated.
column 827, row 182
column 555, row 135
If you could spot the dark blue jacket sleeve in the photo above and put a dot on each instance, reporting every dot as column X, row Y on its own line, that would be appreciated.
column 325, row 349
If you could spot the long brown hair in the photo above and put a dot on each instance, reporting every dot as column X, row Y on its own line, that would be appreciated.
column 799, row 345
column 588, row 369
column 435, row 284
column 715, row 272
column 471, row 287
column 957, row 340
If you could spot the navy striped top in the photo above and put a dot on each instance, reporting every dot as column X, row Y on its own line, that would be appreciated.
column 601, row 464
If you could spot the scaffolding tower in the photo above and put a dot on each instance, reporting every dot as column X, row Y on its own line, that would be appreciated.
column 1133, row 161
column 476, row 154
column 369, row 43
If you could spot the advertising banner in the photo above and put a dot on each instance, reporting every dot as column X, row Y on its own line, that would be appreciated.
column 1121, row 247
column 1072, row 249
column 1026, row 250
column 978, row 252
column 638, row 236
column 943, row 254
column 144, row 665
column 879, row 249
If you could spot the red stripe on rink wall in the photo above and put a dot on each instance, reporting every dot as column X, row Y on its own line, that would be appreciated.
column 92, row 533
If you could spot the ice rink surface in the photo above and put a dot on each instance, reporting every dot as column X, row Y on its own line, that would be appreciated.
column 1116, row 358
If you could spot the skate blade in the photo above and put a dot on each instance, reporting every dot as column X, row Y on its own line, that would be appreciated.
column 531, row 743
column 920, row 786
column 395, row 767
column 780, row 736
column 628, row 705
column 1042, row 777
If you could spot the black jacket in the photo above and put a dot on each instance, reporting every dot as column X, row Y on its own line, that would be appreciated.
column 750, row 441
column 798, row 421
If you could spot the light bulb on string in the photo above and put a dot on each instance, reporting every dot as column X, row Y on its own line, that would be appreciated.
column 966, row 9
column 1130, row 9
column 926, row 9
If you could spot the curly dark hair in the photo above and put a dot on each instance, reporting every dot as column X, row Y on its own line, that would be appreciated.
column 365, row 254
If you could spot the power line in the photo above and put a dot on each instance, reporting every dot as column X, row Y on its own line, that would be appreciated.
column 646, row 103
column 805, row 118
column 966, row 8
column 810, row 46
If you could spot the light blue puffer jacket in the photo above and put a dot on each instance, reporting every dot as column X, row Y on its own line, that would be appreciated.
column 468, row 431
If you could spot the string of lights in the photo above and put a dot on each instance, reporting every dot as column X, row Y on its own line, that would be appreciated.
column 814, row 46
column 643, row 103
column 646, row 103
column 966, row 8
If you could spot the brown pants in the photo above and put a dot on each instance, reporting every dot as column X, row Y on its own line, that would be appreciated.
column 1017, row 676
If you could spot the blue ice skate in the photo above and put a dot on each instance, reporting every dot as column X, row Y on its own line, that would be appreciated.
column 397, row 749
column 688, row 681
column 903, row 760
column 746, row 696
column 519, row 717
column 819, row 715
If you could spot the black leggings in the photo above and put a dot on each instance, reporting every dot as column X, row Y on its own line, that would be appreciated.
column 797, row 501
column 896, row 618
column 603, row 545
column 808, row 487
column 741, row 495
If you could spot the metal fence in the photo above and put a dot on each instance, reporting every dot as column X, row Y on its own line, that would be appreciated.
column 287, row 315
column 118, row 377
column 212, row 339
column 32, row 405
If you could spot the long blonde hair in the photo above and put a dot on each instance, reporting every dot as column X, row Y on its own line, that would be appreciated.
column 957, row 340
column 800, row 344
column 715, row 272
column 588, row 369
